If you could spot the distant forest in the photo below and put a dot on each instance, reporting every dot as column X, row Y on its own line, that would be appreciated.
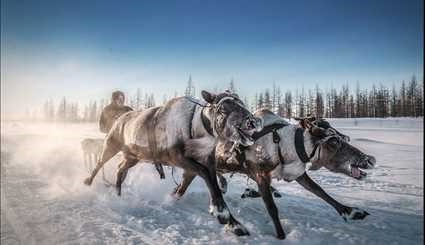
column 376, row 101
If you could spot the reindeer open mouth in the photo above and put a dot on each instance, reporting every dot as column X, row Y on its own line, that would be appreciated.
column 366, row 163
column 357, row 173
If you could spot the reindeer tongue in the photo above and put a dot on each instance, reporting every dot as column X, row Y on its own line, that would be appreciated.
column 355, row 172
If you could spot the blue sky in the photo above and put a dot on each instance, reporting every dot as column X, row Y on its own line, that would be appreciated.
column 85, row 49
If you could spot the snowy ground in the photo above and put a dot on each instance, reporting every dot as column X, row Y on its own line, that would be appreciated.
column 43, row 200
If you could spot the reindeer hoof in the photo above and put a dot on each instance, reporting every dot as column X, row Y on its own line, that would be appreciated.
column 88, row 181
column 238, row 229
column 175, row 195
column 281, row 236
column 241, row 232
column 250, row 193
column 358, row 214
column 222, row 214
column 354, row 214
column 277, row 194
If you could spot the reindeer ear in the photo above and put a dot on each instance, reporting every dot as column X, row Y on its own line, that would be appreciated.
column 304, row 122
column 208, row 97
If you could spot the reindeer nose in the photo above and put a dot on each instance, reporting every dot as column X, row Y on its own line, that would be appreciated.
column 371, row 160
column 346, row 138
column 367, row 162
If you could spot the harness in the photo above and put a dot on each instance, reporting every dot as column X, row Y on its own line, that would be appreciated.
column 299, row 143
column 272, row 128
column 206, row 123
column 300, row 148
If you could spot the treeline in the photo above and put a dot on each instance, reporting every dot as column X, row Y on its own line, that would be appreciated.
column 377, row 101
column 71, row 111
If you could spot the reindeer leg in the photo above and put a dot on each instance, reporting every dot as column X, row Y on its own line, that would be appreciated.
column 122, row 172
column 344, row 211
column 263, row 182
column 110, row 149
column 222, row 182
column 218, row 207
column 160, row 170
column 182, row 187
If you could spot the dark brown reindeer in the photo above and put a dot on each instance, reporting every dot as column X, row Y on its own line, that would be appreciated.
column 164, row 134
column 282, row 150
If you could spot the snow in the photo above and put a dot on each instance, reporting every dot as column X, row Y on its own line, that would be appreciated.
column 43, row 200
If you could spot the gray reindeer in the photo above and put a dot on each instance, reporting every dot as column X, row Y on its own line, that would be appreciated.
column 183, row 133
column 282, row 150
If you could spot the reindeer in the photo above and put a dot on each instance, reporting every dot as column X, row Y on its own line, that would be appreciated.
column 282, row 150
column 183, row 133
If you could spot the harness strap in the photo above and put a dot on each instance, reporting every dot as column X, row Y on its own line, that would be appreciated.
column 272, row 128
column 191, row 122
column 300, row 148
column 276, row 140
column 206, row 123
column 268, row 129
